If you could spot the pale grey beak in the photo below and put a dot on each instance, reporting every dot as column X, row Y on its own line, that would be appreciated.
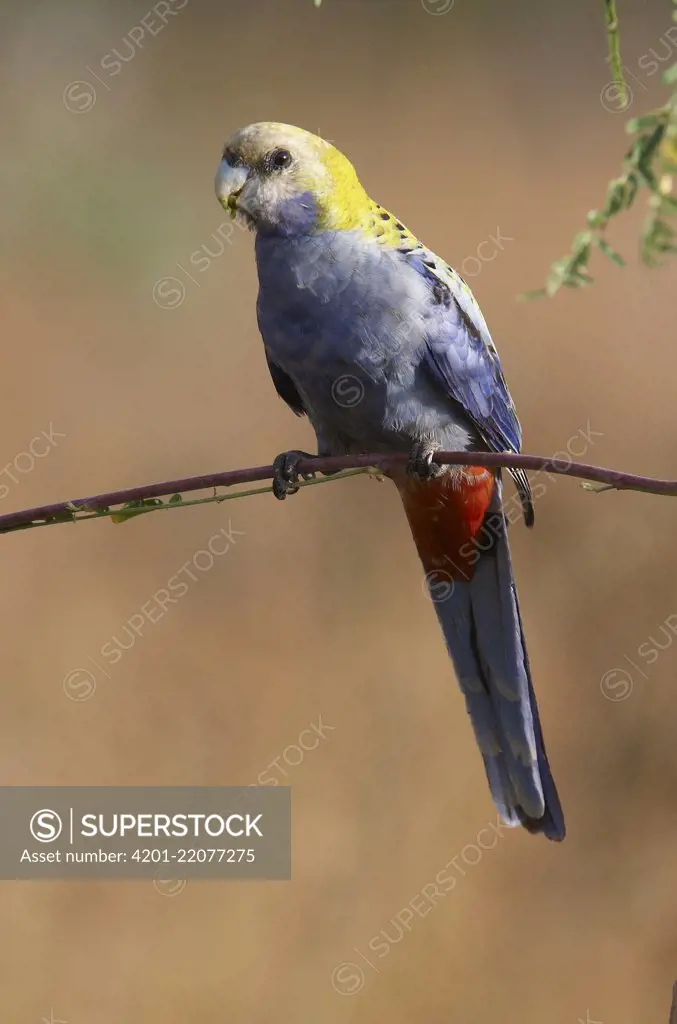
column 228, row 184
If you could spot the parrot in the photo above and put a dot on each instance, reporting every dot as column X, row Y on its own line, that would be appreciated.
column 383, row 347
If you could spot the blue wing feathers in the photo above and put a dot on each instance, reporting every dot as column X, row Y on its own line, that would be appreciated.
column 462, row 358
column 461, row 355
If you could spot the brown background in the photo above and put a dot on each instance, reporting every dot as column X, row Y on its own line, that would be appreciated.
column 488, row 117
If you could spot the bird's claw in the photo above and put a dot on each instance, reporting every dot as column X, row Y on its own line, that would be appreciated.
column 286, row 473
column 421, row 463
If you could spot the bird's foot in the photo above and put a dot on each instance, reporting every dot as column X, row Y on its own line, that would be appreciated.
column 286, row 472
column 421, row 463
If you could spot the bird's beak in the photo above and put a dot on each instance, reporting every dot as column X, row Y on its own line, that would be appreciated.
column 228, row 184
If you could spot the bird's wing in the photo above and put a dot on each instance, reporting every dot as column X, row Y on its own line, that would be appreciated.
column 285, row 387
column 462, row 358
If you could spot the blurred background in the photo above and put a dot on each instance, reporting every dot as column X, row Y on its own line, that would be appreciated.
column 130, row 341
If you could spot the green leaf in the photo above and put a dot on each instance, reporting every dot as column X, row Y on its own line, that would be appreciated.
column 615, row 197
column 631, row 187
column 609, row 251
column 578, row 281
column 580, row 254
column 670, row 76
column 641, row 124
column 134, row 508
column 582, row 239
column 668, row 204
column 647, row 152
column 657, row 239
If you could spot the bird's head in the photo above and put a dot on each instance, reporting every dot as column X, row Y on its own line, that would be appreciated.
column 283, row 180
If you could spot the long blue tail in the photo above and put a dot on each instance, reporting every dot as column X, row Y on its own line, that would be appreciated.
column 482, row 628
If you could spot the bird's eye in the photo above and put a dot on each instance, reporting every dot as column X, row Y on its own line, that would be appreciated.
column 232, row 158
column 278, row 159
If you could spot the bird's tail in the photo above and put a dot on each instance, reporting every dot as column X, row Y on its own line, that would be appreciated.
column 460, row 533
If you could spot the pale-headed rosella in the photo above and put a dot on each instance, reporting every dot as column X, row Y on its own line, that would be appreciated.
column 383, row 347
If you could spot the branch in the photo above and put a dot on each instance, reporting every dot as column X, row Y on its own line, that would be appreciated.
column 650, row 165
column 615, row 49
column 121, row 505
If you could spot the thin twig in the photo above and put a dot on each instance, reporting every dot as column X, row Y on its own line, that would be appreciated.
column 120, row 505
column 615, row 50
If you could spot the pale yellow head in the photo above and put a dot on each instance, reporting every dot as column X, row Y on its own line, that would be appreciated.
column 285, row 180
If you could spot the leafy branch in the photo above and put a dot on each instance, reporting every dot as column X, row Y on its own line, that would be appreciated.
column 650, row 163
column 122, row 505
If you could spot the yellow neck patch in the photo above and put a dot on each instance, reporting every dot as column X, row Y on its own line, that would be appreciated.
column 345, row 206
